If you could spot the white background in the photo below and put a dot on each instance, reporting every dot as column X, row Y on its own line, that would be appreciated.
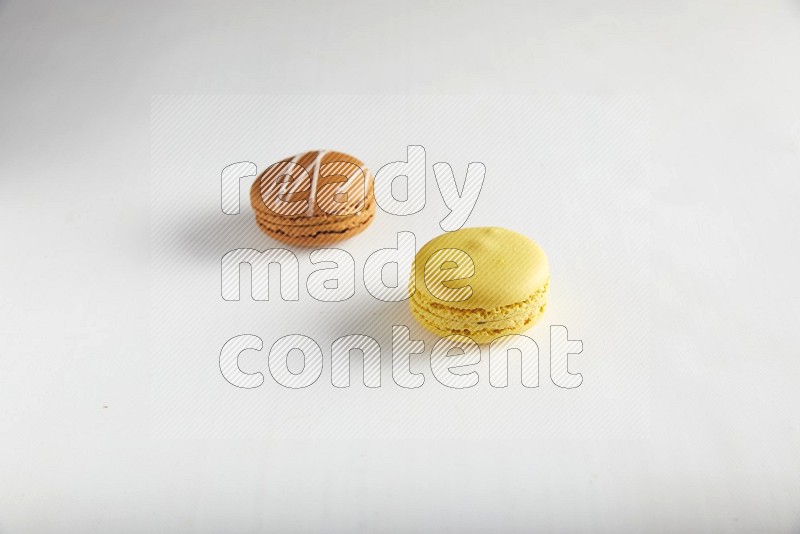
column 570, row 172
column 78, row 447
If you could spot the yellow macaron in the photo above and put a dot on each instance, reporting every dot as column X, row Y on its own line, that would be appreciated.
column 479, row 282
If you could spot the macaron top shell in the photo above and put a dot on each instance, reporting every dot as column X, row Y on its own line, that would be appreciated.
column 508, row 268
column 312, row 184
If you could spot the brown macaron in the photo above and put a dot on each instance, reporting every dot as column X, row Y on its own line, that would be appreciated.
column 313, row 198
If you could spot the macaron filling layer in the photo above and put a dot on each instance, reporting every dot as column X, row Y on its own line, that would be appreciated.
column 309, row 231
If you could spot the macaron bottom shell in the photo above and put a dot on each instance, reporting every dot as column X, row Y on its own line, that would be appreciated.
column 317, row 230
column 481, row 325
